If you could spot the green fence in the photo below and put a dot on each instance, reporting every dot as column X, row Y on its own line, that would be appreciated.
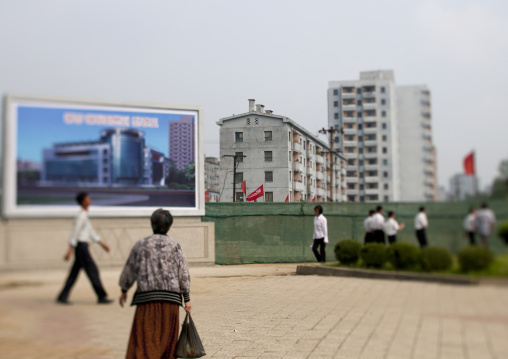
column 282, row 232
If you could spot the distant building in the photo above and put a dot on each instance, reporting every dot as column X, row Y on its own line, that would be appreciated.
column 120, row 157
column 463, row 186
column 212, row 165
column 289, row 161
column 387, row 140
column 182, row 142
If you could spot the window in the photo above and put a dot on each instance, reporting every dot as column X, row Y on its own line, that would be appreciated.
column 372, row 197
column 372, row 162
column 361, row 187
column 238, row 136
column 268, row 156
column 289, row 136
column 240, row 158
column 351, row 186
column 383, row 101
column 289, row 156
column 359, row 102
column 385, row 174
column 359, row 90
column 387, row 198
column 360, row 150
column 335, row 92
column 383, row 113
column 385, row 150
column 239, row 197
column 383, row 126
column 290, row 175
column 336, row 140
column 351, row 198
column 360, row 138
column 362, row 199
column 386, row 186
column 360, row 126
column 268, row 196
column 268, row 135
column 248, row 121
column 268, row 176
column 256, row 121
column 360, row 162
column 359, row 114
column 384, row 138
column 383, row 90
column 351, row 162
column 335, row 103
column 336, row 115
column 385, row 162
column 239, row 177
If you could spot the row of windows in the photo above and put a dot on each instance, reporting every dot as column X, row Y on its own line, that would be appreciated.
column 368, row 174
column 350, row 114
column 352, row 162
column 360, row 138
column 359, row 102
column 239, row 136
column 384, row 125
column 358, row 90
column 361, row 187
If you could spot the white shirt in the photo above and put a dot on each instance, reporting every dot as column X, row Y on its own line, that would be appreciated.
column 367, row 225
column 421, row 221
column 320, row 228
column 391, row 227
column 470, row 223
column 485, row 219
column 378, row 222
column 82, row 231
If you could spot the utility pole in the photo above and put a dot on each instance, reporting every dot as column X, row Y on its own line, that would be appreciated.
column 332, row 131
column 235, row 164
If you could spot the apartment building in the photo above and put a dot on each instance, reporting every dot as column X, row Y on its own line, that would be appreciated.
column 386, row 140
column 463, row 186
column 289, row 161
column 181, row 141
column 212, row 165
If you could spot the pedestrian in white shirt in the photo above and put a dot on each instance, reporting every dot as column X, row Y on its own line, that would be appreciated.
column 421, row 224
column 367, row 227
column 392, row 227
column 320, row 235
column 470, row 226
column 80, row 237
column 378, row 225
column 486, row 223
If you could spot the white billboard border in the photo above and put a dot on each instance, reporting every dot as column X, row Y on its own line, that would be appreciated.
column 9, row 186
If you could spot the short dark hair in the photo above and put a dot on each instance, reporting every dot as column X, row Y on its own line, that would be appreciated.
column 422, row 209
column 390, row 214
column 371, row 212
column 379, row 208
column 319, row 208
column 484, row 205
column 80, row 197
column 161, row 221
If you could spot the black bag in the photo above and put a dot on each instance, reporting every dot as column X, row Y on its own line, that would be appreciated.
column 189, row 345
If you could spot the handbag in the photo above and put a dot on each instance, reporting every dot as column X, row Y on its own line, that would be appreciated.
column 189, row 344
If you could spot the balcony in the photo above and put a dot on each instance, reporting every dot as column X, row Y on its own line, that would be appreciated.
column 429, row 182
column 349, row 120
column 370, row 143
column 372, row 191
column 299, row 186
column 428, row 159
column 309, row 189
column 369, row 105
column 351, row 167
column 297, row 147
column 350, row 131
column 320, row 192
column 371, row 167
column 309, row 171
column 309, row 153
column 348, row 94
column 370, row 155
column 319, row 159
column 352, row 179
column 320, row 175
column 368, row 94
column 371, row 179
column 297, row 167
column 327, row 194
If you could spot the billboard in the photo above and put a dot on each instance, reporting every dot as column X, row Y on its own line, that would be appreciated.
column 130, row 158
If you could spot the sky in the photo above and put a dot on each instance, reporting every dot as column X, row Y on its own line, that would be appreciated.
column 282, row 53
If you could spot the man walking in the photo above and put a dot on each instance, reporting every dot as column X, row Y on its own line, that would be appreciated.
column 421, row 224
column 320, row 235
column 470, row 226
column 367, row 227
column 378, row 225
column 78, row 242
column 392, row 227
column 486, row 223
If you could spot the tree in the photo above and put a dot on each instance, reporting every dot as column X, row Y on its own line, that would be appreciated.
column 500, row 185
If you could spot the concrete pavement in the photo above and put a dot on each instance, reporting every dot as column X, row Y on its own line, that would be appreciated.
column 265, row 311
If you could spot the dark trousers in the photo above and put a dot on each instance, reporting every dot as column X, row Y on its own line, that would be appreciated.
column 392, row 239
column 369, row 238
column 422, row 238
column 379, row 236
column 471, row 238
column 83, row 259
column 321, row 257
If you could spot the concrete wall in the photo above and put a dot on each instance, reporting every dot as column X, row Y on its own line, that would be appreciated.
column 41, row 243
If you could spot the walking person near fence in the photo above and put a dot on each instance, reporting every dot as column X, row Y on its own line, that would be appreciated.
column 158, row 264
column 392, row 227
column 421, row 224
column 378, row 225
column 470, row 226
column 486, row 223
column 78, row 243
column 367, row 227
column 320, row 235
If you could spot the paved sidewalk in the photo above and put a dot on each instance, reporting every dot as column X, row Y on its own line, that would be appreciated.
column 265, row 311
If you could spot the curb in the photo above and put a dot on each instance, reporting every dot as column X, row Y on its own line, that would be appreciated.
column 381, row 274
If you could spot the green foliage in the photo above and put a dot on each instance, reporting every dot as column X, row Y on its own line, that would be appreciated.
column 373, row 255
column 403, row 255
column 181, row 179
column 474, row 258
column 435, row 259
column 502, row 231
column 347, row 251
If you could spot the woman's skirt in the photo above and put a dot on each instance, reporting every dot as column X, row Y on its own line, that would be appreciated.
column 154, row 331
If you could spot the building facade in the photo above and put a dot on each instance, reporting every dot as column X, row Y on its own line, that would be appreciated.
column 380, row 122
column 290, row 163
column 181, row 142
column 463, row 186
column 212, row 165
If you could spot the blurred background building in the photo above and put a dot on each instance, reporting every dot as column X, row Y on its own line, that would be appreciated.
column 181, row 141
column 463, row 186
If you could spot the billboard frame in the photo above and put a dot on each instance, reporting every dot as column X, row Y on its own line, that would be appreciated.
column 10, row 209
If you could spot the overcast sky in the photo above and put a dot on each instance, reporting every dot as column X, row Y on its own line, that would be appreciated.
column 218, row 54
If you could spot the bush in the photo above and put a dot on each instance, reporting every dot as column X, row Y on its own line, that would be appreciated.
column 474, row 258
column 373, row 255
column 347, row 251
column 503, row 231
column 403, row 255
column 435, row 259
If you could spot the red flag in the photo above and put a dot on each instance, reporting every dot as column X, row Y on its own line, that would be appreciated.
column 314, row 199
column 217, row 199
column 207, row 196
column 287, row 198
column 256, row 194
column 469, row 164
column 244, row 187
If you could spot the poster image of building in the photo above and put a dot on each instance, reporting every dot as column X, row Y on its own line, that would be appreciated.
column 120, row 154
